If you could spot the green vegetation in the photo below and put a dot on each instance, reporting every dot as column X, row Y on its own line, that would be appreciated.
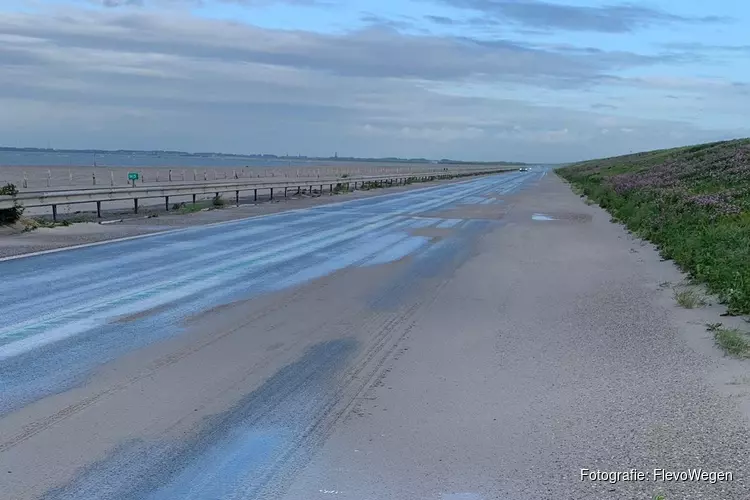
column 217, row 201
column 10, row 215
column 184, row 208
column 692, row 202
column 341, row 187
column 30, row 224
column 689, row 298
column 189, row 209
column 733, row 342
column 36, row 223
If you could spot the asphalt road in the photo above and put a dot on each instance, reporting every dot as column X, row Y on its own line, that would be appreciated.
column 480, row 340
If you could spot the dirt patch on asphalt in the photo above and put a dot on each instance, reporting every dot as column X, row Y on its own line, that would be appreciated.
column 436, row 233
column 222, row 308
column 143, row 314
column 488, row 212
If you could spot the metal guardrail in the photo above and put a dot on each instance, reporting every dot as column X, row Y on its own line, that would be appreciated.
column 54, row 198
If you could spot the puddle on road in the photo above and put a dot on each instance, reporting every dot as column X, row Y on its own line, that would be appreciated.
column 558, row 216
column 542, row 217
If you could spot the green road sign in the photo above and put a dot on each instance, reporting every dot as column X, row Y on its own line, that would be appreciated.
column 132, row 176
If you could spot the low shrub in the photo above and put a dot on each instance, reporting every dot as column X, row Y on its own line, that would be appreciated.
column 10, row 215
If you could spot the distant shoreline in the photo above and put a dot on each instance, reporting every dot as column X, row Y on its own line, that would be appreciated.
column 250, row 157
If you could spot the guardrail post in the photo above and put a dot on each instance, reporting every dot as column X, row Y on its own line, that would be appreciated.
column 321, row 188
column 194, row 199
column 170, row 175
column 166, row 202
column 98, row 209
column 299, row 189
column 54, row 213
column 135, row 205
column 111, row 178
column 330, row 189
column 255, row 195
column 93, row 178
column 285, row 191
column 237, row 198
column 272, row 193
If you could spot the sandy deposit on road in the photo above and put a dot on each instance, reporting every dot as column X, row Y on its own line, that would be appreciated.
column 496, row 372
column 554, row 348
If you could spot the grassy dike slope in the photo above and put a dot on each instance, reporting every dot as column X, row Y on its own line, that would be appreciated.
column 692, row 202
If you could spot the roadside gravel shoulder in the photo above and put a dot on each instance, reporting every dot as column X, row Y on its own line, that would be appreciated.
column 554, row 349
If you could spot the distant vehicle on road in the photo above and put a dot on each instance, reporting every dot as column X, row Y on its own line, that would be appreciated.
column 523, row 169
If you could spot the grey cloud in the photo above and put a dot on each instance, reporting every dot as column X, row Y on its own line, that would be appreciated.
column 603, row 106
column 120, row 3
column 702, row 47
column 374, row 52
column 177, row 82
column 445, row 21
column 384, row 22
column 311, row 3
column 250, row 3
column 612, row 18
column 742, row 88
column 627, row 59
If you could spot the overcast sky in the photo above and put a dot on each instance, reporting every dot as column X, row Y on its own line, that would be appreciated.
column 529, row 80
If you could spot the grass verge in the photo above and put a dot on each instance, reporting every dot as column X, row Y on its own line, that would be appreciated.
column 733, row 342
column 689, row 298
column 32, row 223
column 188, row 208
column 693, row 203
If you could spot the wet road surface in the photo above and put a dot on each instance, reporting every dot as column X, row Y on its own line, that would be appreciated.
column 479, row 340
column 69, row 317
